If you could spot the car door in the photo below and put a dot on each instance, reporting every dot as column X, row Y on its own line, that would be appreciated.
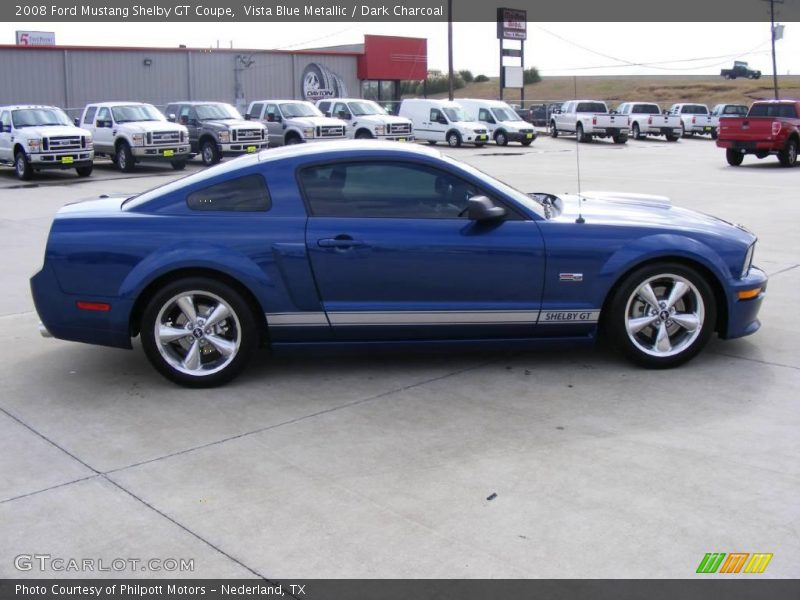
column 485, row 116
column 563, row 121
column 436, row 125
column 274, row 123
column 187, row 116
column 103, row 130
column 395, row 257
column 5, row 136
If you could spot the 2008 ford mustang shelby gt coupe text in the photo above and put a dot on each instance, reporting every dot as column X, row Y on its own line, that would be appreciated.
column 376, row 243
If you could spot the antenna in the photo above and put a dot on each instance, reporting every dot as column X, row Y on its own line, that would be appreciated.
column 580, row 218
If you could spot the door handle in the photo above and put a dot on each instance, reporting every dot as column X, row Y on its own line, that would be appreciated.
column 340, row 241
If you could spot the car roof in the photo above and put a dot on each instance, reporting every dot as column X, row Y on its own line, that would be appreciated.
column 118, row 103
column 494, row 103
column 196, row 102
column 278, row 101
column 345, row 146
column 23, row 106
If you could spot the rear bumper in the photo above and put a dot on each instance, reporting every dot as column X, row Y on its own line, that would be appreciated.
column 701, row 129
column 653, row 130
column 743, row 314
column 61, row 318
column 749, row 146
column 609, row 131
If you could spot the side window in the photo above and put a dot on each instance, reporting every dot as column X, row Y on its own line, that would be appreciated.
column 385, row 190
column 338, row 108
column 172, row 109
column 485, row 115
column 324, row 106
column 183, row 114
column 248, row 193
column 436, row 114
column 272, row 112
column 256, row 110
column 104, row 114
column 89, row 116
column 5, row 120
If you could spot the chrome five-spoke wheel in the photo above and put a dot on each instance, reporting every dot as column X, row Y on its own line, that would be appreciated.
column 662, row 315
column 198, row 332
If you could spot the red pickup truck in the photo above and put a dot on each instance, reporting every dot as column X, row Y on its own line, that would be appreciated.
column 770, row 127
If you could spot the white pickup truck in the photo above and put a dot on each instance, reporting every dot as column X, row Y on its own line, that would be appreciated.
column 695, row 118
column 36, row 137
column 132, row 132
column 646, row 119
column 587, row 119
column 367, row 120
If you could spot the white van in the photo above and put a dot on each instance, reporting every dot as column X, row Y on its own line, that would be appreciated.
column 443, row 121
column 503, row 123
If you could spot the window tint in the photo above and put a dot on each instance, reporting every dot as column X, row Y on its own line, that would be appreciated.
column 338, row 108
column 90, row 113
column 646, row 109
column 272, row 112
column 592, row 107
column 255, row 111
column 485, row 115
column 694, row 109
column 5, row 119
column 248, row 193
column 735, row 109
column 384, row 190
column 324, row 106
column 435, row 115
column 787, row 111
column 104, row 114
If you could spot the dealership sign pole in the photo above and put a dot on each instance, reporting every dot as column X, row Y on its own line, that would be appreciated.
column 512, row 24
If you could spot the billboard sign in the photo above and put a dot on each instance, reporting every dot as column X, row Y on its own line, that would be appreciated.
column 512, row 24
column 36, row 38
column 319, row 82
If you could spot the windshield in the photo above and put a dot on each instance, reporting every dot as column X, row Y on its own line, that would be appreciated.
column 216, row 112
column 31, row 117
column 299, row 109
column 505, row 114
column 365, row 108
column 455, row 114
column 735, row 109
column 136, row 112
column 592, row 107
column 517, row 195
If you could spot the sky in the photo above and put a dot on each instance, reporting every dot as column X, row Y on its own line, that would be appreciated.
column 554, row 48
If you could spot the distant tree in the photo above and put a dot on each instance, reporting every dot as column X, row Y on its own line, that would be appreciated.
column 437, row 83
column 466, row 75
column 531, row 75
column 481, row 78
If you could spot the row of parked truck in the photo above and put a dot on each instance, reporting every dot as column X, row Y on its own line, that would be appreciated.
column 36, row 137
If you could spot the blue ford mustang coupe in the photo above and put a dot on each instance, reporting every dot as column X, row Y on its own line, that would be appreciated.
column 364, row 243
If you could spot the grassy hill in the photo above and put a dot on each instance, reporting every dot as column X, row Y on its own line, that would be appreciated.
column 665, row 90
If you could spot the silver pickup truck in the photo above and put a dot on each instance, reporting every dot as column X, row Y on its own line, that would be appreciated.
column 587, row 119
column 646, row 118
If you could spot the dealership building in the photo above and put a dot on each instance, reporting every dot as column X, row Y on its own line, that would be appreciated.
column 72, row 76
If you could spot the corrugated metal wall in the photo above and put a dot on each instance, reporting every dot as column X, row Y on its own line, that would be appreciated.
column 71, row 78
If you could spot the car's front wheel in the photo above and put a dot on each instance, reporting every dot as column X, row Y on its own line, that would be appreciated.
column 454, row 139
column 125, row 161
column 22, row 166
column 198, row 332
column 662, row 315
column 210, row 153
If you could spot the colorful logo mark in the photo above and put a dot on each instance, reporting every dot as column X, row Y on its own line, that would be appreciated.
column 736, row 562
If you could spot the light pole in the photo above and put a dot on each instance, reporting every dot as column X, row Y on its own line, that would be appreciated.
column 772, row 4
column 450, row 48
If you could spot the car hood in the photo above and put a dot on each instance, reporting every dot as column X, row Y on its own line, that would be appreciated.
column 53, row 130
column 315, row 121
column 470, row 125
column 383, row 119
column 150, row 126
column 516, row 124
column 233, row 124
column 642, row 210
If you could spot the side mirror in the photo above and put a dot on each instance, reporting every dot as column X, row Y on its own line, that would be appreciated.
column 247, row 116
column 442, row 120
column 270, row 118
column 480, row 208
column 77, row 121
column 5, row 128
column 344, row 115
column 193, row 122
column 171, row 117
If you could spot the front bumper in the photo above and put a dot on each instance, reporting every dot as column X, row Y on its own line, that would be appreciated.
column 409, row 137
column 179, row 152
column 238, row 148
column 516, row 136
column 743, row 314
column 62, row 160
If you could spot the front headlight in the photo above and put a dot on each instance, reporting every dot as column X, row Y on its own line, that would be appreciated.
column 34, row 145
column 224, row 137
column 380, row 130
column 89, row 141
column 308, row 132
column 137, row 139
column 748, row 260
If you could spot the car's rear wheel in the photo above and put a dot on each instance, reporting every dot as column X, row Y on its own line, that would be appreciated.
column 553, row 130
column 582, row 137
column 734, row 157
column 620, row 139
column 22, row 166
column 635, row 132
column 662, row 315
column 84, row 171
column 672, row 138
column 788, row 155
column 198, row 332
column 210, row 153
column 714, row 134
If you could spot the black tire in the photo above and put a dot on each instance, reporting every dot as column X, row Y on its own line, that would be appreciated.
column 293, row 139
column 683, row 131
column 178, row 165
column 553, row 130
column 582, row 137
column 363, row 134
column 635, row 132
column 628, row 307
column 673, row 138
column 714, row 134
column 432, row 142
column 22, row 166
column 209, row 153
column 125, row 160
column 620, row 139
column 84, row 171
column 526, row 142
column 788, row 155
column 454, row 139
column 500, row 138
column 238, row 333
column 734, row 157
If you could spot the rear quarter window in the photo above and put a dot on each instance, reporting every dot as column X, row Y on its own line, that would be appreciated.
column 243, row 194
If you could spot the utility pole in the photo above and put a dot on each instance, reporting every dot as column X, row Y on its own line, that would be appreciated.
column 450, row 48
column 772, row 4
